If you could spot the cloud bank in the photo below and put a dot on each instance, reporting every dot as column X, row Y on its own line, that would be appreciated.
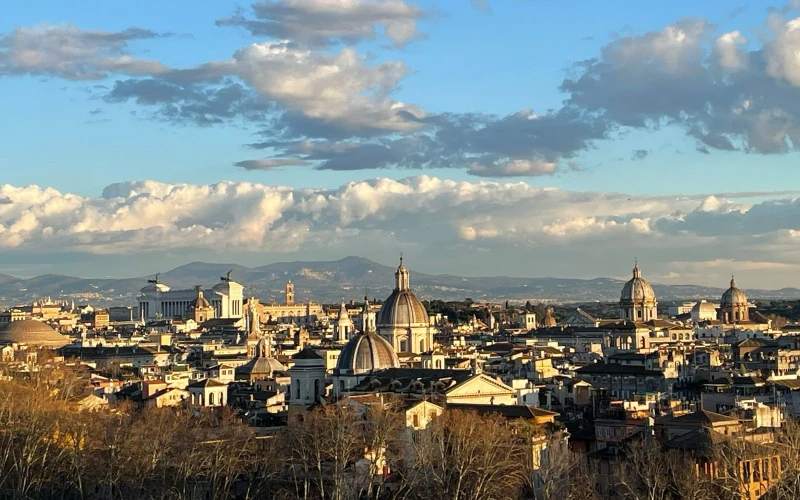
column 575, row 233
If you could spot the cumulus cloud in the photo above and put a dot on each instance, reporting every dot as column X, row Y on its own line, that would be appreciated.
column 727, row 98
column 428, row 217
column 337, row 87
column 296, row 91
column 69, row 52
column 728, row 50
column 322, row 23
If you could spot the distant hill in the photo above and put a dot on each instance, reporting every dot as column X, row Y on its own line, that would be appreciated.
column 348, row 278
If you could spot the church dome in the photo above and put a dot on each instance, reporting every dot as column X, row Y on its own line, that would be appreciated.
column 704, row 307
column 366, row 352
column 260, row 367
column 402, row 307
column 30, row 331
column 637, row 290
column 733, row 296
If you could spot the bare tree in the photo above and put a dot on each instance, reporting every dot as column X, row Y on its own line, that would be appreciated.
column 643, row 473
column 552, row 470
column 465, row 456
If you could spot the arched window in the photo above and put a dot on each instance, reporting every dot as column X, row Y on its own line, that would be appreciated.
column 642, row 343
column 341, row 386
column 422, row 345
column 211, row 399
column 439, row 363
column 316, row 389
column 298, row 389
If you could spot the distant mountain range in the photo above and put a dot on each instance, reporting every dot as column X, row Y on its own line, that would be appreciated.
column 348, row 278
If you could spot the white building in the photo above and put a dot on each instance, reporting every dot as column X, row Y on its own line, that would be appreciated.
column 307, row 378
column 208, row 392
column 158, row 301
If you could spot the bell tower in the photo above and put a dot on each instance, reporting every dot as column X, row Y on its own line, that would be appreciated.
column 289, row 293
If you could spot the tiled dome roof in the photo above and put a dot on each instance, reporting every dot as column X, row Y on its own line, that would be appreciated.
column 366, row 352
column 402, row 308
column 29, row 331
column 733, row 296
column 637, row 290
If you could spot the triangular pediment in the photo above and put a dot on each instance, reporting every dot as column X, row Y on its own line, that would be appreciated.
column 579, row 318
column 479, row 384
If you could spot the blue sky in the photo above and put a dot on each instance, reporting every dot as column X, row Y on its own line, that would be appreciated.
column 512, row 58
column 590, row 97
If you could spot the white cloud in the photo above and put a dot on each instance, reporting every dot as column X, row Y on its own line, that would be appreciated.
column 783, row 54
column 727, row 47
column 570, row 233
column 69, row 52
column 320, row 23
column 336, row 87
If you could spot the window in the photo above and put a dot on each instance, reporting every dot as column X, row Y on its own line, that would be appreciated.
column 415, row 420
column 756, row 471
column 775, row 468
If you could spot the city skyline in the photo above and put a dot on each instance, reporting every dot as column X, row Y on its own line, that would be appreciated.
column 524, row 138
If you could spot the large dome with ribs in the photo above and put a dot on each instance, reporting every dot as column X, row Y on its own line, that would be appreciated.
column 402, row 307
column 367, row 352
column 733, row 296
column 637, row 290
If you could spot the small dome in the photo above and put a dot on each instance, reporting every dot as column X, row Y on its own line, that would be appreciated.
column 402, row 308
column 704, row 307
column 260, row 367
column 30, row 331
column 366, row 352
column 200, row 302
column 733, row 296
column 637, row 290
